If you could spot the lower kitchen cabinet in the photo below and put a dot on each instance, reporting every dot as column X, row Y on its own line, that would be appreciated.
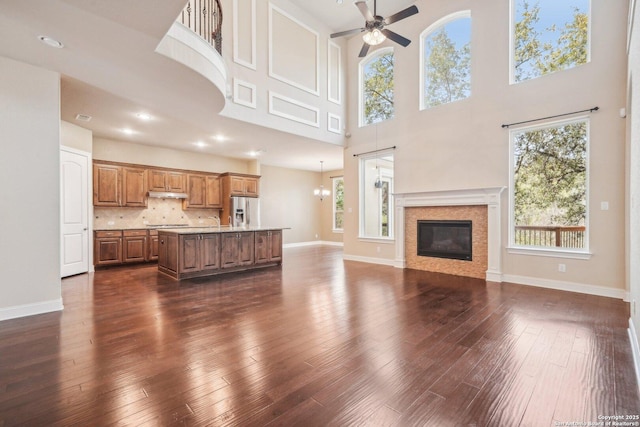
column 237, row 249
column 184, row 254
column 198, row 252
column 134, row 244
column 107, row 247
column 113, row 247
column 153, row 245
column 268, row 246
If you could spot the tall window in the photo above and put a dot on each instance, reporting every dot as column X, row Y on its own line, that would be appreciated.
column 548, row 36
column 446, row 60
column 338, row 203
column 376, row 87
column 549, row 186
column 376, row 197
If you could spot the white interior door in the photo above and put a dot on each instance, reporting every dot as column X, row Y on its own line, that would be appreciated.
column 74, row 182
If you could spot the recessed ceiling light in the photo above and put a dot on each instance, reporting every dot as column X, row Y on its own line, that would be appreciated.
column 256, row 153
column 51, row 42
column 219, row 138
column 83, row 117
column 128, row 131
column 143, row 116
column 200, row 144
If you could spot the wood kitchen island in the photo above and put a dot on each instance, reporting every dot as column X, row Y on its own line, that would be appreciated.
column 195, row 252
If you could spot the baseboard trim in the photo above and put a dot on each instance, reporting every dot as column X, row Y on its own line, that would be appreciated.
column 635, row 349
column 370, row 260
column 565, row 286
column 312, row 243
column 31, row 309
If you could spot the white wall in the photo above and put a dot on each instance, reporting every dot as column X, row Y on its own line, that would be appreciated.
column 29, row 167
column 633, row 167
column 462, row 145
column 126, row 152
column 77, row 137
column 287, row 200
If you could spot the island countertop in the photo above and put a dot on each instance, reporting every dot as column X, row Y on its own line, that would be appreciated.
column 216, row 229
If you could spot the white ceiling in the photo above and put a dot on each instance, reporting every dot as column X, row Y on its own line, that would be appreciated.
column 110, row 72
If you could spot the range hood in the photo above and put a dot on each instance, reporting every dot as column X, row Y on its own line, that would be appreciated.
column 167, row 195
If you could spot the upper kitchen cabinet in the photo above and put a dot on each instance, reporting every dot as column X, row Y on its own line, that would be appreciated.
column 166, row 180
column 234, row 184
column 116, row 186
column 203, row 192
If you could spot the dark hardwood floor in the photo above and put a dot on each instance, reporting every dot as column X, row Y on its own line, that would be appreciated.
column 319, row 341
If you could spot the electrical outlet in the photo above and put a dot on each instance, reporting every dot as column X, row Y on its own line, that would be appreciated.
column 562, row 268
column 111, row 222
column 200, row 221
column 316, row 235
column 378, row 249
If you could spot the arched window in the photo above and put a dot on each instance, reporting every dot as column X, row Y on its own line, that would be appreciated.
column 376, row 87
column 548, row 36
column 445, row 60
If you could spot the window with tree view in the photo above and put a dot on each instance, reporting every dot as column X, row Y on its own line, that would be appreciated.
column 549, row 189
column 548, row 36
column 446, row 61
column 376, row 87
column 338, row 203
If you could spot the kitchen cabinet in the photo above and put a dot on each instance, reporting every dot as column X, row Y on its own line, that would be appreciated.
column 166, row 180
column 199, row 252
column 153, row 246
column 240, row 185
column 107, row 247
column 168, row 253
column 268, row 246
column 113, row 247
column 203, row 192
column 119, row 186
column 237, row 249
column 134, row 246
column 204, row 252
column 106, row 185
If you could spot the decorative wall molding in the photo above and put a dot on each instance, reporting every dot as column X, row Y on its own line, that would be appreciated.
column 250, row 62
column 292, row 56
column 239, row 87
column 294, row 106
column 334, row 72
column 334, row 123
column 31, row 309
column 476, row 196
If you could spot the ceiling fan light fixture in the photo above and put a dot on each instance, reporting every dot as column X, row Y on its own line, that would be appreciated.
column 374, row 37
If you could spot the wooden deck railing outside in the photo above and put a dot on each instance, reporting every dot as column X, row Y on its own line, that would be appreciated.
column 204, row 17
column 556, row 236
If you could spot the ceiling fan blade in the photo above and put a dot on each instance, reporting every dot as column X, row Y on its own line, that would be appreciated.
column 396, row 37
column 363, row 51
column 364, row 10
column 411, row 10
column 346, row 33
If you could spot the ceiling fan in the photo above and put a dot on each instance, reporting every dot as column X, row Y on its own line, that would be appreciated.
column 374, row 26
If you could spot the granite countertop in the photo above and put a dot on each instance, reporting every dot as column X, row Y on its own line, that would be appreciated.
column 216, row 229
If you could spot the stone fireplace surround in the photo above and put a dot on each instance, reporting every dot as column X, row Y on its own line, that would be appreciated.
column 489, row 197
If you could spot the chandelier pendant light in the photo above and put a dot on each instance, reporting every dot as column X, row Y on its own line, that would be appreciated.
column 321, row 192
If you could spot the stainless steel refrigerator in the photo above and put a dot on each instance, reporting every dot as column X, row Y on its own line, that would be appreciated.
column 245, row 211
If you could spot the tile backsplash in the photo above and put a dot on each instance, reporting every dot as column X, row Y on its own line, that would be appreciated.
column 158, row 211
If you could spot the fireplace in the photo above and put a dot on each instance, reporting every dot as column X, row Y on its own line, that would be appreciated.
column 480, row 205
column 445, row 239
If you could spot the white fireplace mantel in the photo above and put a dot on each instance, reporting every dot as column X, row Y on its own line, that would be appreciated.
column 476, row 196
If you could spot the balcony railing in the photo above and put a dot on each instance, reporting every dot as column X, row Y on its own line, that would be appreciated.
column 204, row 17
column 564, row 237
